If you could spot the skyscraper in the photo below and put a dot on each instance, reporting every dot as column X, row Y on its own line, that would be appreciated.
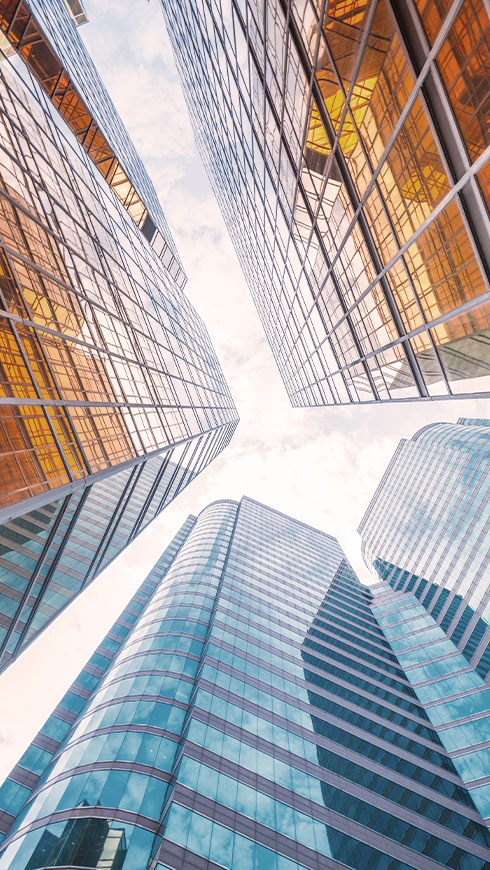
column 427, row 529
column 112, row 398
column 426, row 533
column 348, row 146
column 246, row 711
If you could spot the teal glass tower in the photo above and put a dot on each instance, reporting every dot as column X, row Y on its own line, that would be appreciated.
column 426, row 534
column 246, row 711
column 427, row 529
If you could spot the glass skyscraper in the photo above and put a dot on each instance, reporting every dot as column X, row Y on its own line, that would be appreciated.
column 246, row 711
column 111, row 395
column 426, row 534
column 427, row 529
column 348, row 145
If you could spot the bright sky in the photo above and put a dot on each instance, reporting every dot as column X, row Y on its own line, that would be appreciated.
column 320, row 465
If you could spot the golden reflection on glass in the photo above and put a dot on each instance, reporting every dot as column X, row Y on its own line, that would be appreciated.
column 432, row 14
column 65, row 436
column 404, row 296
column 443, row 266
column 28, row 39
column 31, row 462
column 412, row 179
column 15, row 380
column 464, row 64
column 382, row 87
column 53, row 357
column 380, row 227
column 377, row 46
column 463, row 344
column 79, row 374
column 483, row 177
column 34, row 354
column 343, row 26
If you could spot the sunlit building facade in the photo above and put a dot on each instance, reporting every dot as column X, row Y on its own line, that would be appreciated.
column 427, row 529
column 111, row 395
column 348, row 145
column 426, row 534
column 246, row 711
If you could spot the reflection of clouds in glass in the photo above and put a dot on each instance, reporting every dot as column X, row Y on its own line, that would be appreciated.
column 427, row 527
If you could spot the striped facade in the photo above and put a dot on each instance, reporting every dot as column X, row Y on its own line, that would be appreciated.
column 251, row 715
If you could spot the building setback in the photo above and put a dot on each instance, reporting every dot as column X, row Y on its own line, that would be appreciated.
column 426, row 534
column 348, row 146
column 246, row 711
column 111, row 395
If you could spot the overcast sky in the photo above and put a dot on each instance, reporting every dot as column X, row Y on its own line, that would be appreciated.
column 320, row 465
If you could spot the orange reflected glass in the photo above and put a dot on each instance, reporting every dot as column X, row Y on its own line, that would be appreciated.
column 380, row 227
column 464, row 64
column 31, row 462
column 25, row 35
column 432, row 14
column 443, row 266
column 412, row 179
column 463, row 344
column 389, row 92
column 483, row 177
column 15, row 380
column 405, row 298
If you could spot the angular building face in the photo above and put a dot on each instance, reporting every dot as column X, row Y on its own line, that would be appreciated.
column 348, row 146
column 246, row 711
column 426, row 533
column 427, row 530
column 111, row 396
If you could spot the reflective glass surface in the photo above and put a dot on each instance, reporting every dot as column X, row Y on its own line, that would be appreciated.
column 111, row 396
column 348, row 146
column 425, row 532
column 254, row 715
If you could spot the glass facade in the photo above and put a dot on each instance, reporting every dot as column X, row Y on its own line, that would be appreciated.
column 455, row 696
column 111, row 395
column 44, row 35
column 348, row 145
column 246, row 711
column 426, row 530
column 426, row 535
